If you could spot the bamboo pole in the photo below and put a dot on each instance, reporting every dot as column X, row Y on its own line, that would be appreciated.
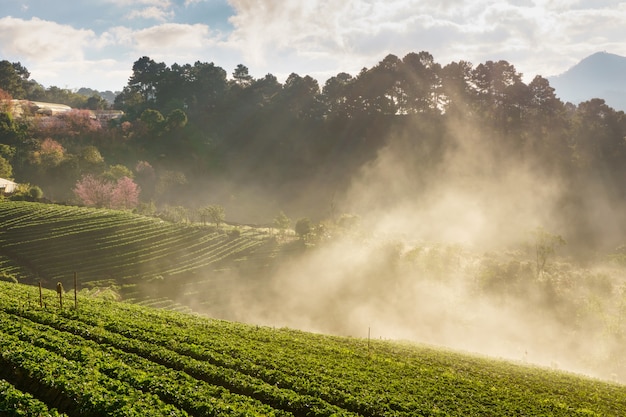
column 75, row 293
column 60, row 292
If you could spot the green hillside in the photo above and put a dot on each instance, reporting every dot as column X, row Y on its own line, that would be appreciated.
column 118, row 359
column 144, row 258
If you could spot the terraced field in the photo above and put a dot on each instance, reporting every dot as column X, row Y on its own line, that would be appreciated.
column 148, row 259
column 100, row 357
column 119, row 359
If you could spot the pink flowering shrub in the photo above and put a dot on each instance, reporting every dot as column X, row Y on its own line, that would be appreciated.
column 125, row 194
column 50, row 154
column 95, row 192
column 77, row 122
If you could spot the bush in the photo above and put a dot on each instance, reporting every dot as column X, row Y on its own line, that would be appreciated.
column 35, row 193
column 304, row 227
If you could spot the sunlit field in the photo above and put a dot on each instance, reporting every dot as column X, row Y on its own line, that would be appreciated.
column 98, row 357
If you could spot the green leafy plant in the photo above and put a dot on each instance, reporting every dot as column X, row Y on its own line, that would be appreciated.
column 119, row 359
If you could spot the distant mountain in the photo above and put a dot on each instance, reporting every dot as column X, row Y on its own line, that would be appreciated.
column 601, row 75
column 108, row 95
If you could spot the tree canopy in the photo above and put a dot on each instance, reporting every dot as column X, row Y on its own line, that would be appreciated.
column 200, row 127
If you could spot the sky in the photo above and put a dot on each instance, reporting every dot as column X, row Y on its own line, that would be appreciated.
column 94, row 43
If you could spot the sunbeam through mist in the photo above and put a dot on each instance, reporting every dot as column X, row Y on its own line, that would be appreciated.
column 448, row 253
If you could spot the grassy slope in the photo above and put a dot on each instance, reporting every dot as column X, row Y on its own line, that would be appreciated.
column 111, row 358
column 145, row 257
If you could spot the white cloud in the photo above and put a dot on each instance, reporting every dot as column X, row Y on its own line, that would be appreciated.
column 100, row 74
column 41, row 40
column 547, row 36
column 354, row 28
column 164, row 39
column 172, row 38
column 152, row 12
column 163, row 4
column 324, row 37
column 85, row 59
column 159, row 10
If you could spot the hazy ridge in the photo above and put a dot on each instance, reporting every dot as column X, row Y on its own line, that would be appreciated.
column 601, row 75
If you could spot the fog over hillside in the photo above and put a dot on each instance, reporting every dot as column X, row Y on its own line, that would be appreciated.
column 449, row 257
column 481, row 213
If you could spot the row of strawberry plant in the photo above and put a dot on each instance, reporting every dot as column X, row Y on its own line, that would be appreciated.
column 172, row 386
column 86, row 224
column 352, row 379
column 9, row 266
column 145, row 234
column 164, row 303
column 43, row 234
column 54, row 262
column 15, row 403
column 16, row 213
column 169, row 245
column 170, row 249
column 227, row 250
column 150, row 233
column 242, row 355
column 272, row 395
column 34, row 237
column 64, row 224
column 195, row 254
column 389, row 379
column 168, row 348
column 101, row 244
column 206, row 343
column 73, row 387
column 52, row 220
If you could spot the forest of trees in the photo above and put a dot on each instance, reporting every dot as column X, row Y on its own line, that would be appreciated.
column 193, row 135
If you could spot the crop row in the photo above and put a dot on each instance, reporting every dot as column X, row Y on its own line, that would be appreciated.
column 217, row 342
column 243, row 385
column 157, row 260
column 14, row 214
column 14, row 402
column 236, row 360
column 31, row 235
column 173, row 387
column 37, row 236
column 244, row 353
column 60, row 218
column 9, row 266
column 54, row 241
column 73, row 387
column 292, row 371
column 175, row 245
column 164, row 303
column 345, row 372
column 160, row 338
column 226, row 250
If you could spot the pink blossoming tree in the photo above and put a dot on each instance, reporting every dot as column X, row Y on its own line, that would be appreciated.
column 95, row 192
column 125, row 194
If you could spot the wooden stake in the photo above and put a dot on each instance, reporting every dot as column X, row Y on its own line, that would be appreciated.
column 60, row 292
column 40, row 296
column 75, row 293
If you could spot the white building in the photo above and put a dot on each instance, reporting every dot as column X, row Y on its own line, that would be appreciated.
column 49, row 109
column 7, row 186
